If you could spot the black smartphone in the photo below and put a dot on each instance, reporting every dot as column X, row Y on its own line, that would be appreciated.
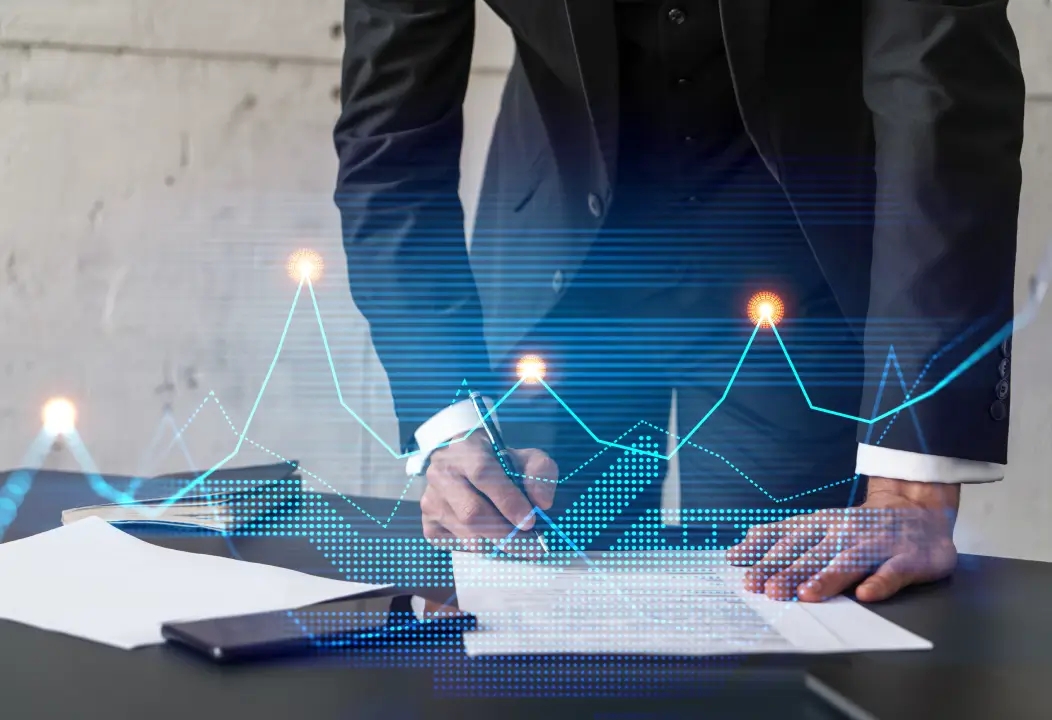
column 345, row 625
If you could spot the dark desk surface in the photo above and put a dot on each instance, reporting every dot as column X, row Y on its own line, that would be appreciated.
column 991, row 625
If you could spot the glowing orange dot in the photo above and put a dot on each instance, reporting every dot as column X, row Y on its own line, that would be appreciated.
column 59, row 416
column 531, row 368
column 305, row 264
column 765, row 309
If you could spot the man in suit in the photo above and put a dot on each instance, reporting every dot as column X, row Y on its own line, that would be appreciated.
column 656, row 163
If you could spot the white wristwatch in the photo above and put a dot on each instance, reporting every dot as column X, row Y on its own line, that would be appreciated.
column 450, row 422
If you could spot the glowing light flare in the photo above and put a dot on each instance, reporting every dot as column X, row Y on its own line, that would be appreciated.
column 765, row 309
column 305, row 264
column 531, row 368
column 59, row 416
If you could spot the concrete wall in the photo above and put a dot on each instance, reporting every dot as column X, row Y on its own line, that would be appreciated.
column 159, row 159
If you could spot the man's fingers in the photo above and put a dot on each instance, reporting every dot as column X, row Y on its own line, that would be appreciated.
column 486, row 473
column 437, row 534
column 479, row 538
column 445, row 538
column 464, row 511
column 889, row 578
column 756, row 543
column 540, row 476
column 846, row 569
column 931, row 563
column 785, row 584
column 780, row 556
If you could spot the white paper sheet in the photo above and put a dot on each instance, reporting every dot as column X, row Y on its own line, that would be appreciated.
column 674, row 603
column 94, row 581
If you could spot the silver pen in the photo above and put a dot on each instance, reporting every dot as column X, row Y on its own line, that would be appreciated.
column 502, row 452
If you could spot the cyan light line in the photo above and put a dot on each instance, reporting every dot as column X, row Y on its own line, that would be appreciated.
column 146, row 458
column 336, row 380
column 607, row 443
column 562, row 402
column 879, row 395
column 339, row 393
column 146, row 469
column 744, row 475
column 1039, row 286
column 248, row 422
column 21, row 481
column 966, row 364
column 485, row 416
column 178, row 436
column 726, row 392
column 913, row 411
column 95, row 480
column 382, row 523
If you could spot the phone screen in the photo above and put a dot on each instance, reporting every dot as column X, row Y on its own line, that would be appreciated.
column 355, row 623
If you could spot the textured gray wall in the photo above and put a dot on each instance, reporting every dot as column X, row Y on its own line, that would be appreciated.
column 160, row 158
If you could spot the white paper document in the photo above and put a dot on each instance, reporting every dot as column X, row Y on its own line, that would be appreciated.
column 669, row 603
column 96, row 582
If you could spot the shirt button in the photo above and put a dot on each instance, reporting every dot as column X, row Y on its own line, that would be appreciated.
column 557, row 281
column 1004, row 368
column 688, row 139
column 683, row 81
column 595, row 205
column 1006, row 347
column 677, row 16
column 998, row 410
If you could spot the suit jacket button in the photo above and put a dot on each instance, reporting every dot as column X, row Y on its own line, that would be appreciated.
column 557, row 281
column 595, row 205
column 1002, row 390
column 1006, row 347
column 1004, row 368
column 998, row 411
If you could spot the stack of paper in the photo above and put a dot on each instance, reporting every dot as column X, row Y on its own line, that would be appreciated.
column 674, row 603
column 229, row 499
column 94, row 581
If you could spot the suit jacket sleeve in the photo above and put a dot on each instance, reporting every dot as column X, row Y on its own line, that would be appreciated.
column 943, row 81
column 398, row 138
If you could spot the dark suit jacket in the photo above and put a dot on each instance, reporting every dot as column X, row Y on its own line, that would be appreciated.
column 908, row 112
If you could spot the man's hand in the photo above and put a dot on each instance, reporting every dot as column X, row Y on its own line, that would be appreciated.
column 470, row 503
column 901, row 535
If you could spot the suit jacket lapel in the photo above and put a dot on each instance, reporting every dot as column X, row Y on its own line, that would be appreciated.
column 745, row 30
column 594, row 32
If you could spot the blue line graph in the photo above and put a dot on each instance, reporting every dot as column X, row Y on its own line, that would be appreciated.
column 1038, row 286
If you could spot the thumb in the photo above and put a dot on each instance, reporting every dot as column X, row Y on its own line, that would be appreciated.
column 540, row 476
column 889, row 578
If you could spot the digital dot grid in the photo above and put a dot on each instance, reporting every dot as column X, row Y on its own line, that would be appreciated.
column 14, row 491
column 699, row 528
column 407, row 559
column 397, row 636
column 687, row 588
column 611, row 493
column 240, row 503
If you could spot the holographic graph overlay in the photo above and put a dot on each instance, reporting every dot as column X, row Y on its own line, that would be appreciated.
column 305, row 264
column 699, row 528
column 611, row 494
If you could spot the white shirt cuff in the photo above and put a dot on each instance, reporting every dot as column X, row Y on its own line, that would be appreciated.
column 877, row 461
column 443, row 426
